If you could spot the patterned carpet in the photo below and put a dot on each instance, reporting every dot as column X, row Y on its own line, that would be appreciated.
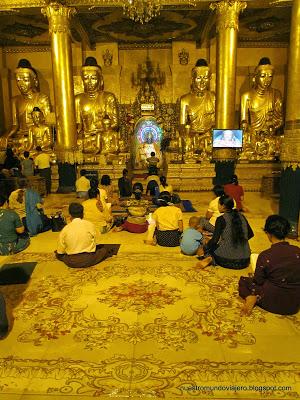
column 142, row 326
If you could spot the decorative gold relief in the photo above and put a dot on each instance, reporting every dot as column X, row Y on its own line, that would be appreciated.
column 59, row 17
column 107, row 58
column 290, row 151
column 183, row 56
column 228, row 13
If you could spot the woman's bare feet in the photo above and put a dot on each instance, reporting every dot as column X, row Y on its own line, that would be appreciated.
column 204, row 263
column 150, row 242
column 249, row 304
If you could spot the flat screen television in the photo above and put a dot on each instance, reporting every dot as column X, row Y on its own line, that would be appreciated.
column 227, row 138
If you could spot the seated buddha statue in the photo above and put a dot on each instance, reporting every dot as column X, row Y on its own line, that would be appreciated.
column 109, row 138
column 23, row 105
column 39, row 133
column 92, row 106
column 262, row 113
column 197, row 110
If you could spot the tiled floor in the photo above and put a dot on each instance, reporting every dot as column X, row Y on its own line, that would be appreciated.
column 145, row 324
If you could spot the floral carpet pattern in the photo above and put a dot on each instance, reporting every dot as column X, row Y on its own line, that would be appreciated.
column 139, row 326
column 139, row 296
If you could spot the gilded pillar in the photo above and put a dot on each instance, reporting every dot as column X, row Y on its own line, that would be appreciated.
column 290, row 152
column 227, row 13
column 59, row 28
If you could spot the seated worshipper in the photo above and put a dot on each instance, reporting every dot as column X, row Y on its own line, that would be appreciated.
column 235, row 191
column 3, row 318
column 229, row 245
column 28, row 204
column 152, row 182
column 43, row 166
column 27, row 165
column 124, row 185
column 275, row 286
column 106, row 189
column 82, row 185
column 11, row 161
column 137, row 186
column 192, row 239
column 152, row 161
column 12, row 236
column 96, row 212
column 168, row 220
column 137, row 209
column 77, row 241
column 164, row 186
column 212, row 213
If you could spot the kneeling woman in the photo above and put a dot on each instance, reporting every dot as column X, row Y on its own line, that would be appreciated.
column 168, row 220
column 275, row 286
column 229, row 245
column 137, row 209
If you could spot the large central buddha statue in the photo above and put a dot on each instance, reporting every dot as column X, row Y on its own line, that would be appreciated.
column 93, row 108
column 23, row 105
column 197, row 111
column 262, row 113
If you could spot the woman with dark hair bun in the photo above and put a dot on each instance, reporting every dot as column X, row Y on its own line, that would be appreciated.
column 168, row 220
column 229, row 245
column 106, row 189
column 275, row 286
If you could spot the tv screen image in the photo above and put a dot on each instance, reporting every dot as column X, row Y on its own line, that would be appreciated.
column 231, row 138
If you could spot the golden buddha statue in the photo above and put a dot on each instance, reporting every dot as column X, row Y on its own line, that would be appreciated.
column 91, row 108
column 39, row 133
column 23, row 105
column 109, row 138
column 197, row 110
column 262, row 114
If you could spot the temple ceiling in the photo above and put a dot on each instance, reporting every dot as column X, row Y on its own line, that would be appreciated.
column 26, row 26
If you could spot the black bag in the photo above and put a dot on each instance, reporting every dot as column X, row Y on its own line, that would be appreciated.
column 58, row 222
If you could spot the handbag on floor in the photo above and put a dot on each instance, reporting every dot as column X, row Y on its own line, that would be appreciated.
column 58, row 222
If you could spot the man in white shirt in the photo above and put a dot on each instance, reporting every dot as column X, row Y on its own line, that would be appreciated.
column 82, row 185
column 77, row 243
column 42, row 163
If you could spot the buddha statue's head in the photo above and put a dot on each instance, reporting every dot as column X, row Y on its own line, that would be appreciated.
column 263, row 74
column 91, row 75
column 37, row 116
column 26, row 77
column 201, row 76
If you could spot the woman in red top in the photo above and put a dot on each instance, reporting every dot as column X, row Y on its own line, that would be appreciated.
column 235, row 191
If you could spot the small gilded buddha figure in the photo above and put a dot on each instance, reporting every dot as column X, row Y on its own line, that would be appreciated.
column 39, row 133
column 109, row 138
column 197, row 110
column 262, row 113
column 91, row 108
column 23, row 105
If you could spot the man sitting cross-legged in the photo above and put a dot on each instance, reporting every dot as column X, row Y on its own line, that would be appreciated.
column 77, row 243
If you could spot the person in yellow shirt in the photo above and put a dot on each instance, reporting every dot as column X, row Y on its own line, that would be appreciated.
column 168, row 220
column 42, row 163
column 83, row 185
column 96, row 212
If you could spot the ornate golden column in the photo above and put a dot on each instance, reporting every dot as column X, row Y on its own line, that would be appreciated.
column 59, row 27
column 227, row 12
column 290, row 152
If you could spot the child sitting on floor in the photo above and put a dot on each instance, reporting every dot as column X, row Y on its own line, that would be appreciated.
column 192, row 239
